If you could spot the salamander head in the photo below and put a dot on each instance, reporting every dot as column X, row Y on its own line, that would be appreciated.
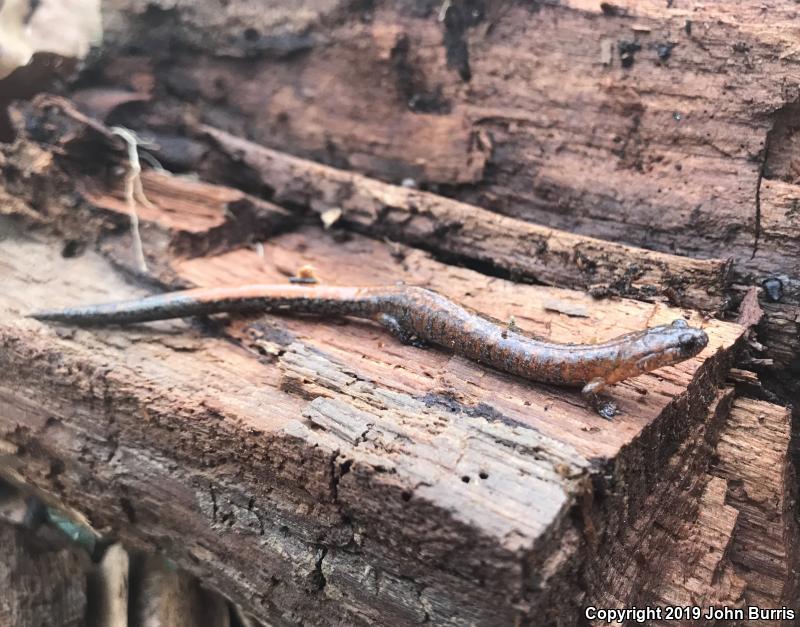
column 668, row 344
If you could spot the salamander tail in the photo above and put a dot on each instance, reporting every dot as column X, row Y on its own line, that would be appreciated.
column 160, row 307
column 93, row 315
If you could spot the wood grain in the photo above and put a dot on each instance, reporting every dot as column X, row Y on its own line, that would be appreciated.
column 752, row 457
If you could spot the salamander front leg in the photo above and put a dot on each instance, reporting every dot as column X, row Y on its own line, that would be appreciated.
column 391, row 324
column 591, row 394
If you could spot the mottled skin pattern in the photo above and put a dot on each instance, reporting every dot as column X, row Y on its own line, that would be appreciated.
column 418, row 315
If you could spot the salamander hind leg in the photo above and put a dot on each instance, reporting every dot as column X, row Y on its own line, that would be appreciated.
column 391, row 324
column 591, row 394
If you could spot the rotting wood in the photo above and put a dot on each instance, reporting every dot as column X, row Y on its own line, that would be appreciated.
column 192, row 218
column 753, row 458
column 670, row 143
column 667, row 125
column 189, row 218
column 531, row 307
column 496, row 155
column 510, row 247
column 719, row 530
column 750, row 312
column 778, row 331
column 660, row 544
column 347, row 421
column 262, row 500
column 698, row 572
column 54, row 576
column 581, row 143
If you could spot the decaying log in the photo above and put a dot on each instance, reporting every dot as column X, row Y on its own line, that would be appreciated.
column 576, row 105
column 666, row 125
column 373, row 457
column 214, row 218
column 696, row 571
column 195, row 218
column 319, row 472
column 678, row 545
column 382, row 459
column 732, row 547
column 520, row 249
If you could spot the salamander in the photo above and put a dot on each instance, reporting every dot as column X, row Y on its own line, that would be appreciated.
column 420, row 316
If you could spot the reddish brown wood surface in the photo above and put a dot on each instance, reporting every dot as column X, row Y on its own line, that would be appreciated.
column 297, row 453
column 751, row 457
column 513, row 247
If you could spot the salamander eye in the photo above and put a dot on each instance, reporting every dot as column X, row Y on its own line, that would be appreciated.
column 680, row 323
